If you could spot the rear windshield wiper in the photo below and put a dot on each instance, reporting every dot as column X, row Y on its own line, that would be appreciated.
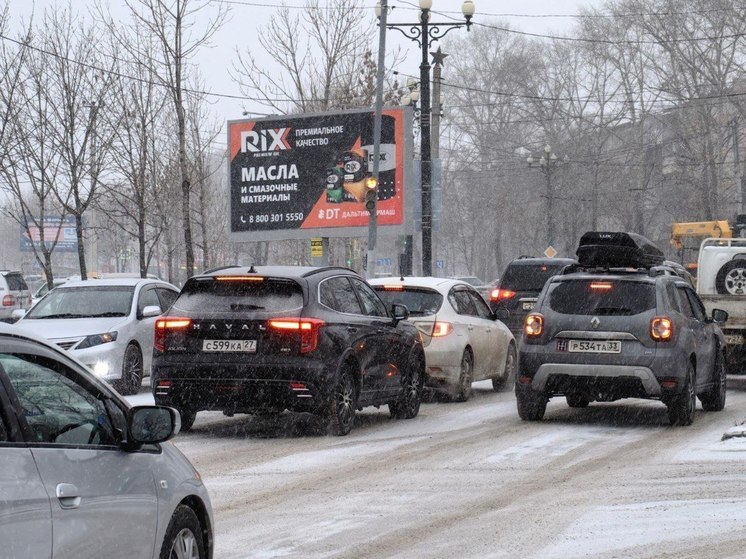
column 243, row 307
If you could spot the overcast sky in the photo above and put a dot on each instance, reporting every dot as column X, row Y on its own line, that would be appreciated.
column 248, row 16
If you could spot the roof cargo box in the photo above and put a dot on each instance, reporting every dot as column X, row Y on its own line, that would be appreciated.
column 617, row 250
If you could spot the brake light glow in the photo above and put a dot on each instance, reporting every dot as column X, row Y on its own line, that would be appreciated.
column 534, row 325
column 501, row 294
column 165, row 325
column 442, row 329
column 393, row 288
column 9, row 301
column 661, row 329
column 601, row 286
column 239, row 278
column 308, row 328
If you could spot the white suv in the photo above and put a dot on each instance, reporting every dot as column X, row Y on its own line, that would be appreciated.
column 14, row 294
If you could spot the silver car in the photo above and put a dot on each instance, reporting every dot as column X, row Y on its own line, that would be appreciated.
column 83, row 474
column 464, row 342
column 108, row 324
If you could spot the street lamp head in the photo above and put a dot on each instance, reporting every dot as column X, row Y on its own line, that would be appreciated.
column 426, row 4
column 553, row 157
column 412, row 83
column 547, row 148
column 378, row 9
column 406, row 100
column 415, row 95
column 530, row 160
column 467, row 8
column 542, row 161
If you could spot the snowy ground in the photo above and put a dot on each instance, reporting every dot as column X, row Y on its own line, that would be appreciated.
column 472, row 480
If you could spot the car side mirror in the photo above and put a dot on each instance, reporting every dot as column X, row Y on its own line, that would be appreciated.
column 399, row 312
column 150, row 311
column 502, row 314
column 152, row 424
column 19, row 313
column 719, row 316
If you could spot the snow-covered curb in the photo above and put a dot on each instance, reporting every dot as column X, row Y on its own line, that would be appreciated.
column 735, row 431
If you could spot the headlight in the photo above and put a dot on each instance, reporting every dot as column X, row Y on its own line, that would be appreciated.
column 101, row 368
column 97, row 339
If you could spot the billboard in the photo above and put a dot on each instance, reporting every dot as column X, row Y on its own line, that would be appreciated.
column 55, row 227
column 303, row 176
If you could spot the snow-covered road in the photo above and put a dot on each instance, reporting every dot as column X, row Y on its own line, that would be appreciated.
column 472, row 480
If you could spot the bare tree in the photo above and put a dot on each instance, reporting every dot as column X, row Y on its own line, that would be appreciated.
column 171, row 24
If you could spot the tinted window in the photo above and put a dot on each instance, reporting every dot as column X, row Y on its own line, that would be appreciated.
column 420, row 302
column 686, row 305
column 16, row 282
column 483, row 310
column 167, row 297
column 372, row 305
column 602, row 297
column 78, row 302
column 462, row 302
column 56, row 408
column 697, row 307
column 673, row 300
column 338, row 294
column 528, row 277
column 270, row 294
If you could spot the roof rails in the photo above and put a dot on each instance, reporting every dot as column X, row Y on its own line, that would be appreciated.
column 325, row 269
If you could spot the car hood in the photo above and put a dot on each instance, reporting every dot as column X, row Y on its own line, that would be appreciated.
column 62, row 328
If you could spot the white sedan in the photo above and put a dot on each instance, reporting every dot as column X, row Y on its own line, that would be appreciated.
column 464, row 341
column 108, row 324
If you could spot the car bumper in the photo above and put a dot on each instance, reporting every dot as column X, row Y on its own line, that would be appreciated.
column 298, row 385
column 443, row 363
column 655, row 375
column 104, row 360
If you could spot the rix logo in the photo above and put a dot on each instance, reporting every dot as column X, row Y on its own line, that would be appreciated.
column 265, row 140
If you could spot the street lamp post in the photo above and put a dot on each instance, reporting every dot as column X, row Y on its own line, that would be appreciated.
column 425, row 34
column 548, row 163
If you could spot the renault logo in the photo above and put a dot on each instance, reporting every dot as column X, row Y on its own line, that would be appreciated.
column 595, row 322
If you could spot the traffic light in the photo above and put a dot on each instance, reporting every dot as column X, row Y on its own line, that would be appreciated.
column 371, row 194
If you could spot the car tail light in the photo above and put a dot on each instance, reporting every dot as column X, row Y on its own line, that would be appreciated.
column 534, row 325
column 239, row 278
column 308, row 328
column 9, row 301
column 165, row 325
column 601, row 286
column 661, row 329
column 501, row 294
column 393, row 287
column 442, row 329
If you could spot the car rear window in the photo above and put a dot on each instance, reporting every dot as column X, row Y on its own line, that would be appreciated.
column 16, row 282
column 602, row 297
column 236, row 295
column 419, row 301
column 528, row 277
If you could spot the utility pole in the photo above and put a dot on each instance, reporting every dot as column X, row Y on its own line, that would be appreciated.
column 371, row 204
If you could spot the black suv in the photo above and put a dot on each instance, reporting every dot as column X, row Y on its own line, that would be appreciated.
column 520, row 285
column 266, row 339
column 619, row 325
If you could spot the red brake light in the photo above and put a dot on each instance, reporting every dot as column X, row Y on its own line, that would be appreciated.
column 308, row 328
column 534, row 325
column 442, row 329
column 164, row 325
column 602, row 286
column 9, row 301
column 501, row 294
column 393, row 288
column 661, row 329
column 239, row 278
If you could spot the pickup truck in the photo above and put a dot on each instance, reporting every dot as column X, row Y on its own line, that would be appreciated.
column 721, row 284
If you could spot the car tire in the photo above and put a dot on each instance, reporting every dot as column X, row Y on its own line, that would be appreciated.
column 681, row 407
column 731, row 278
column 188, row 417
column 531, row 404
column 340, row 412
column 714, row 398
column 407, row 405
column 183, row 536
column 466, row 375
column 132, row 365
column 507, row 380
column 577, row 400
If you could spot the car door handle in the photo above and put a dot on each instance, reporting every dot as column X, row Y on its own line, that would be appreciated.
column 351, row 329
column 68, row 495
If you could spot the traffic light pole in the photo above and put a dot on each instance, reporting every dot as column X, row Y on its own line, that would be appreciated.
column 373, row 219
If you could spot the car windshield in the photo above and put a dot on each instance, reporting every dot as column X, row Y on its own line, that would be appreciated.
column 420, row 302
column 602, row 297
column 96, row 301
column 237, row 295
column 528, row 277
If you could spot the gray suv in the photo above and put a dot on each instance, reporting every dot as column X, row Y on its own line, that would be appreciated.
column 602, row 333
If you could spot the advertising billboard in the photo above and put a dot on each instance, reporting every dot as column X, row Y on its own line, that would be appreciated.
column 303, row 176
column 55, row 228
